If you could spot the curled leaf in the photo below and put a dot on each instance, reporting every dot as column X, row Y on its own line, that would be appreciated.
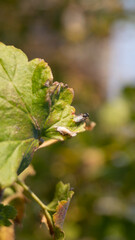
column 59, row 217
column 60, row 205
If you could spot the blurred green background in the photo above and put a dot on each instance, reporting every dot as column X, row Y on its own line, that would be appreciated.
column 90, row 45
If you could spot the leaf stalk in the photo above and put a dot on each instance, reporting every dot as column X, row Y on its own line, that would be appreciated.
column 47, row 143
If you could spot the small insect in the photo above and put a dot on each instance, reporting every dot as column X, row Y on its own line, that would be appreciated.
column 84, row 118
column 81, row 118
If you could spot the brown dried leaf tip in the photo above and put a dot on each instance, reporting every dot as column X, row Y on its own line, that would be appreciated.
column 60, row 214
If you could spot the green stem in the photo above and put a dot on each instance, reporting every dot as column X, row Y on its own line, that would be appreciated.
column 40, row 203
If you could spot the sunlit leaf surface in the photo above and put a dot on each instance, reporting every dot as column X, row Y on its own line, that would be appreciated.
column 32, row 108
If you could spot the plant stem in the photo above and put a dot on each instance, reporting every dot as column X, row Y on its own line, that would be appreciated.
column 40, row 203
column 47, row 143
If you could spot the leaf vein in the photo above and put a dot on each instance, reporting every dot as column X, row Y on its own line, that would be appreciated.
column 13, row 104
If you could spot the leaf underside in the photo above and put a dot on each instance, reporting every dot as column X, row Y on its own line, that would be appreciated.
column 32, row 108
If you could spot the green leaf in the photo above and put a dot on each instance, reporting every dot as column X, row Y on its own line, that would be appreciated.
column 62, row 192
column 60, row 205
column 6, row 214
column 32, row 108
